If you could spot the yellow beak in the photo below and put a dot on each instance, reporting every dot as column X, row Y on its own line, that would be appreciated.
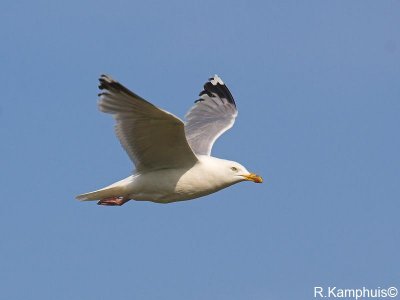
column 253, row 177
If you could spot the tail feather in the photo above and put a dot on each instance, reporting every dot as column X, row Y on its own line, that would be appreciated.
column 106, row 192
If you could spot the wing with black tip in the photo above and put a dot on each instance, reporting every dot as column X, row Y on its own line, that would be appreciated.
column 152, row 137
column 212, row 115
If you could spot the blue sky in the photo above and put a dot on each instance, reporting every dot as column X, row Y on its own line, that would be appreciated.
column 317, row 88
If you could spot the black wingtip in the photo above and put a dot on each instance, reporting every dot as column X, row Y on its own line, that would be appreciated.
column 106, row 82
column 215, row 86
column 109, row 84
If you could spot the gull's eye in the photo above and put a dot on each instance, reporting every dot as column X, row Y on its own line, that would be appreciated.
column 234, row 169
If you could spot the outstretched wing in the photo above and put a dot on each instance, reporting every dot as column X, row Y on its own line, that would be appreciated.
column 212, row 115
column 153, row 138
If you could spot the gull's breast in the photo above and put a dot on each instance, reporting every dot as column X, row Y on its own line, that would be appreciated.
column 170, row 185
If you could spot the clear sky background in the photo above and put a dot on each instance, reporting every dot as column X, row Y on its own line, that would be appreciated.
column 318, row 93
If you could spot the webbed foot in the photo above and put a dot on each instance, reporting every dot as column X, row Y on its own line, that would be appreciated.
column 113, row 201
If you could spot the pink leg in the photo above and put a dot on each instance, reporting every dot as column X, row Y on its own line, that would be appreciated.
column 113, row 201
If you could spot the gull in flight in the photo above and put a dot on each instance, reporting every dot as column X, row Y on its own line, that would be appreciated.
column 172, row 158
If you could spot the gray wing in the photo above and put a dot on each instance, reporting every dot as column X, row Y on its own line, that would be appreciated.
column 212, row 115
column 153, row 138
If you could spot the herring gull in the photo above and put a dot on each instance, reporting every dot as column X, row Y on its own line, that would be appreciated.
column 172, row 158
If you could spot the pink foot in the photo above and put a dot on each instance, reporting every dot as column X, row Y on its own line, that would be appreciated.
column 113, row 201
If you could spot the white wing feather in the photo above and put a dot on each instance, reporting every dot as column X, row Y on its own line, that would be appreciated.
column 153, row 138
column 212, row 115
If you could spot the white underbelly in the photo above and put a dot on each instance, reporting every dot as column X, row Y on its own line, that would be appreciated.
column 165, row 186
